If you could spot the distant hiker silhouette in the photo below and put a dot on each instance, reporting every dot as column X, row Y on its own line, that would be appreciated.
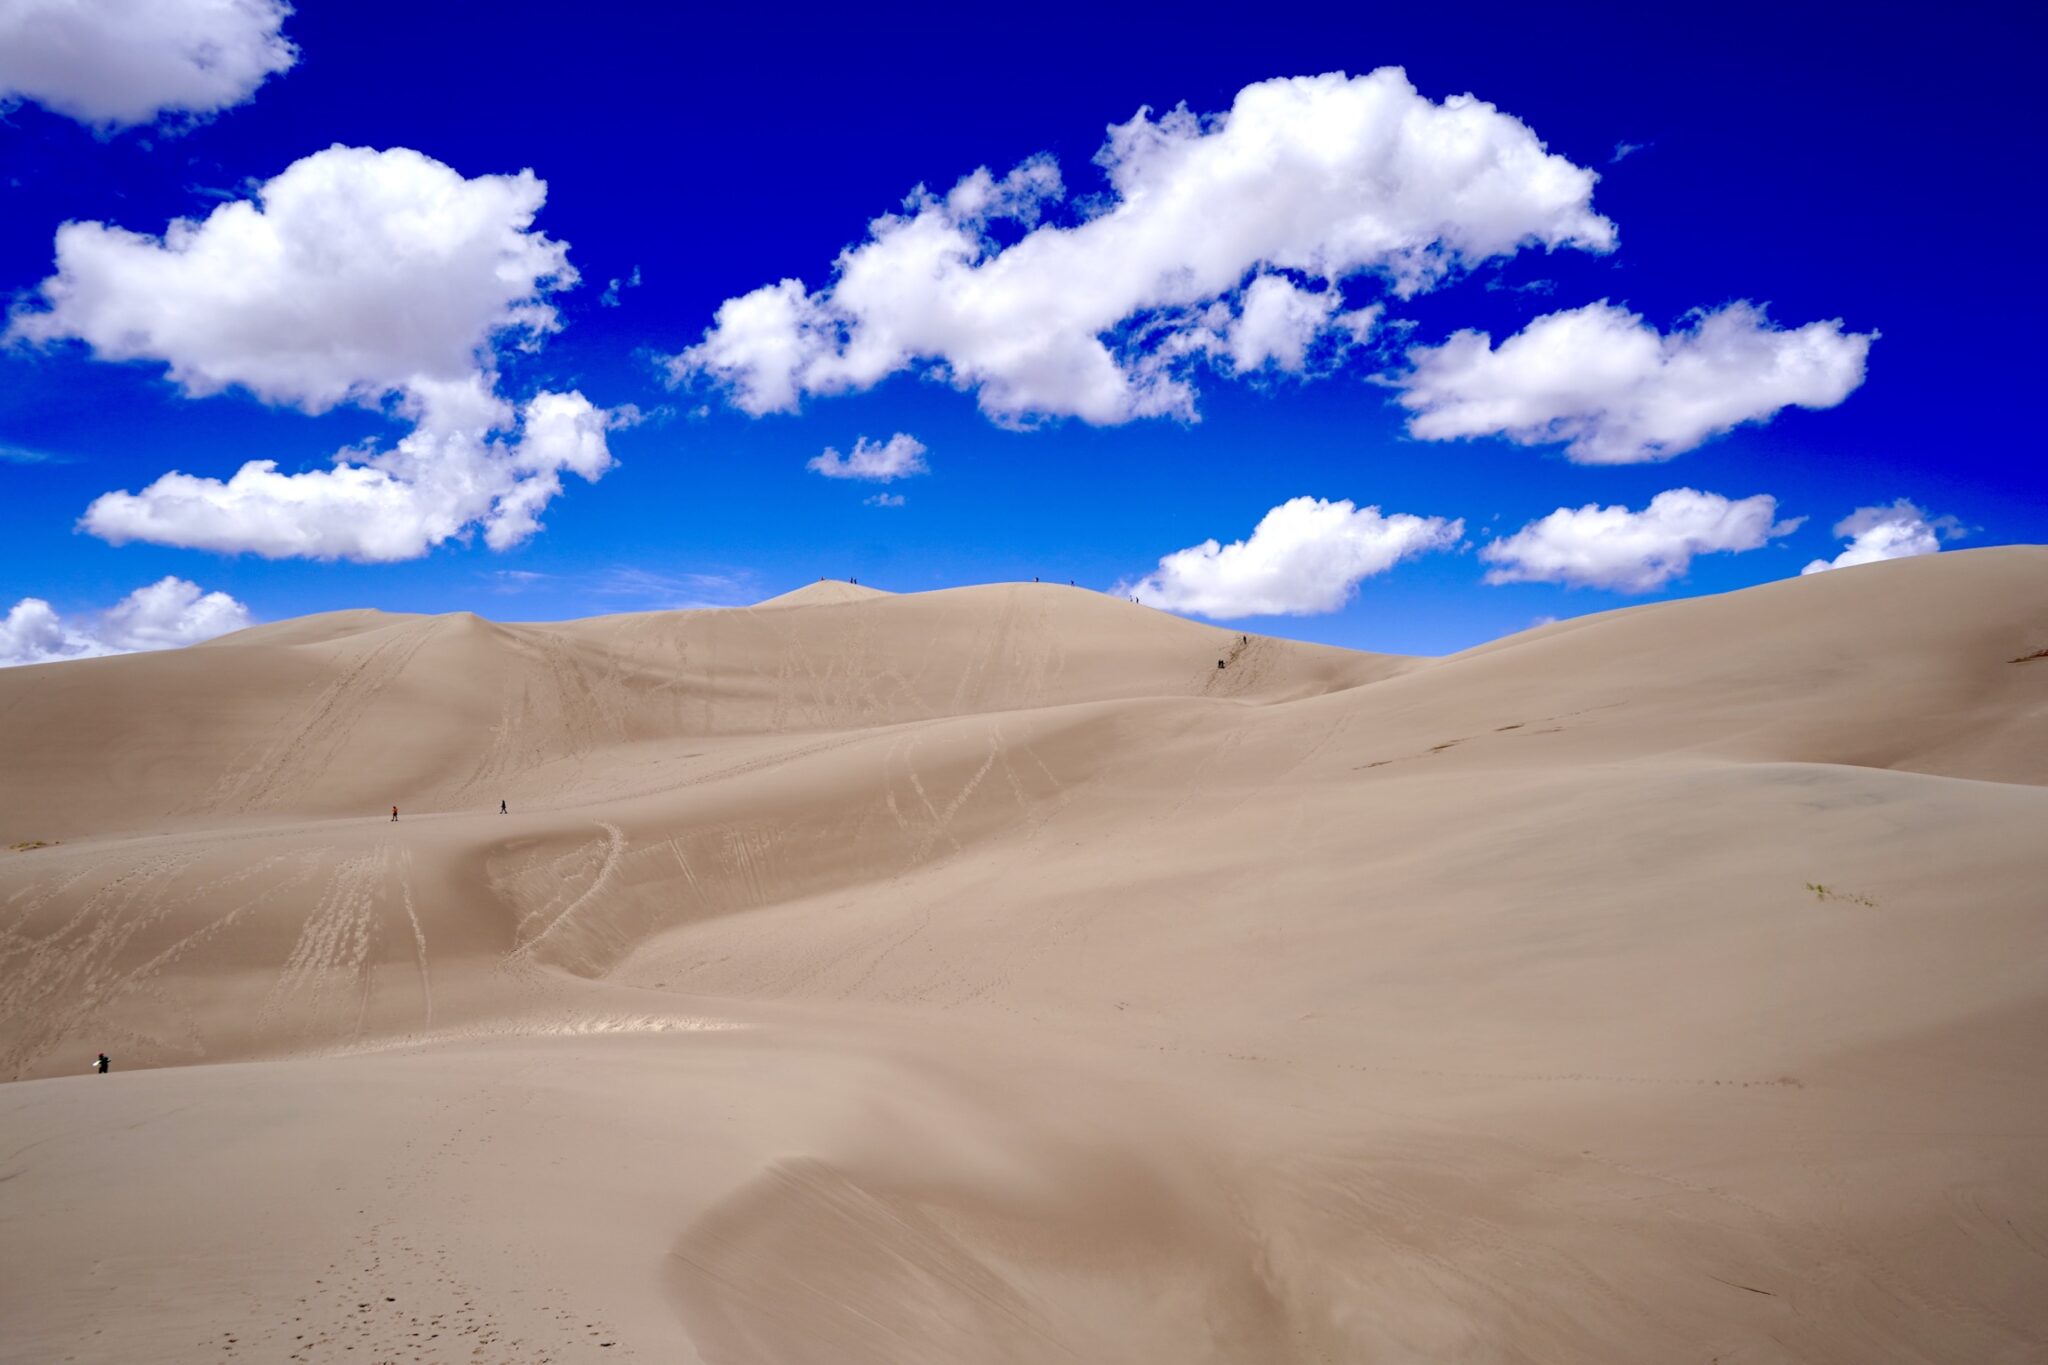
column 502, row 810
column 103, row 1063
column 394, row 812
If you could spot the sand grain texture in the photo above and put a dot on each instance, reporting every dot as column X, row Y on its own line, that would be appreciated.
column 985, row 975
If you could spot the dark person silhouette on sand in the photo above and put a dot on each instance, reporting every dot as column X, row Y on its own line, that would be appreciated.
column 103, row 1062
column 394, row 812
column 503, row 809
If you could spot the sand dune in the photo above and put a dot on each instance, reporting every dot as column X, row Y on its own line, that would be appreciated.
column 987, row 975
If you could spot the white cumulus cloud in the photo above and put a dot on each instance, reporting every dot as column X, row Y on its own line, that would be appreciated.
column 1277, row 322
column 899, row 457
column 1898, row 531
column 1604, row 383
column 380, row 278
column 1614, row 547
column 1305, row 557
column 351, row 275
column 448, row 474
column 1306, row 181
column 166, row 614
column 115, row 63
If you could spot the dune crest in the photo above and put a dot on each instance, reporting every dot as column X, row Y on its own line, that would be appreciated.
column 822, row 593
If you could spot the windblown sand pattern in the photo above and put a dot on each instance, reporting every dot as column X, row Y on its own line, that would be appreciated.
column 987, row 976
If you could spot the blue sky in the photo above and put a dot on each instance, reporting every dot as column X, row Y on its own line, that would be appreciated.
column 1866, row 188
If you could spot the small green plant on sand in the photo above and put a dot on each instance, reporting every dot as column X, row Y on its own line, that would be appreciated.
column 35, row 843
column 1827, row 893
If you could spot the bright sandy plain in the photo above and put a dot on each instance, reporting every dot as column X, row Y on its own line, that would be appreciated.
column 985, row 975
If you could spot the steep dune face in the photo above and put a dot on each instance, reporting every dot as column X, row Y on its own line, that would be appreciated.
column 987, row 975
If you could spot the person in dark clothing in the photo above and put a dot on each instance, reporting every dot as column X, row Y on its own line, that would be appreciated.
column 103, row 1063
column 394, row 812
column 503, row 809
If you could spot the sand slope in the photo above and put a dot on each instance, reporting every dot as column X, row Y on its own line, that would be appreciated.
column 987, row 975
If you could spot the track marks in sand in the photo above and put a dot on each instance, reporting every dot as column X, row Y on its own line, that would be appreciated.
column 399, row 1288
column 936, row 823
column 339, row 943
column 174, row 1026
column 65, row 983
column 419, row 937
column 93, row 954
column 852, row 679
column 538, row 924
column 1017, row 652
column 926, row 820
column 591, row 701
column 312, row 735
column 580, row 700
column 1247, row 662
column 743, row 852
column 1517, row 730
column 52, row 981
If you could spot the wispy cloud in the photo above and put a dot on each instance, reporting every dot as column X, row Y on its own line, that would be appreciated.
column 513, row 580
column 249, row 188
column 1496, row 285
column 884, row 500
column 617, row 287
column 659, row 591
column 10, row 454
column 626, row 416
column 627, row 587
column 1624, row 150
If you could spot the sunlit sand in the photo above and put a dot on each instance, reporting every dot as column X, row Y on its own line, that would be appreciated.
column 988, row 975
